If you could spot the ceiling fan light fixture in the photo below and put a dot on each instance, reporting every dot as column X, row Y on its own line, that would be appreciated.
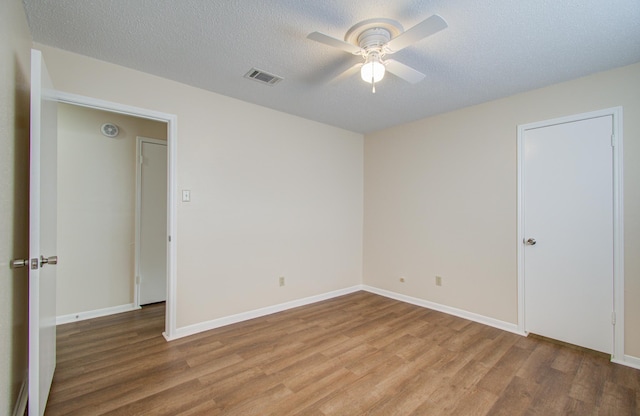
column 373, row 70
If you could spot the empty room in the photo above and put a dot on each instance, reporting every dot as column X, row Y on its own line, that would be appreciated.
column 407, row 208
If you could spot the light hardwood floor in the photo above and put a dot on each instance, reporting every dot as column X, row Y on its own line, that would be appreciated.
column 353, row 355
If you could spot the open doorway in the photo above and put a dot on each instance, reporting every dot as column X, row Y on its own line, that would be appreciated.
column 98, row 154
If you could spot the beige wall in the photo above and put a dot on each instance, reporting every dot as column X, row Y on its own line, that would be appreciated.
column 96, row 208
column 15, row 42
column 272, row 194
column 440, row 198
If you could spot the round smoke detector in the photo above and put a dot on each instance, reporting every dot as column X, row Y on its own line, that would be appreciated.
column 110, row 129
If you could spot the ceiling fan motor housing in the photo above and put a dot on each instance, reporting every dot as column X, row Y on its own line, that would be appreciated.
column 373, row 38
column 373, row 33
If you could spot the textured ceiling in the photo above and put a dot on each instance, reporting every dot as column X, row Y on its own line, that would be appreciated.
column 491, row 49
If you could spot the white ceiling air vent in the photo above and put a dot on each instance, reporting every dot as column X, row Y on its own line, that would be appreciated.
column 262, row 77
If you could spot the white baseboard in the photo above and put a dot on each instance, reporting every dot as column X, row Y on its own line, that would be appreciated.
column 81, row 316
column 505, row 326
column 629, row 361
column 228, row 320
column 23, row 397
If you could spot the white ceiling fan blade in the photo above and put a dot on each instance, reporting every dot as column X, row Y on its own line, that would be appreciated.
column 349, row 72
column 420, row 31
column 403, row 71
column 336, row 43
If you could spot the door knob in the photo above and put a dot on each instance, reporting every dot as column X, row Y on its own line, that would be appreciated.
column 48, row 260
column 531, row 242
column 19, row 263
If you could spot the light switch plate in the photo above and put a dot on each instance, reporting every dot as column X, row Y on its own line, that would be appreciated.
column 186, row 195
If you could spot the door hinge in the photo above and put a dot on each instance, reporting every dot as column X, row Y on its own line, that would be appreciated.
column 613, row 140
column 141, row 160
column 613, row 318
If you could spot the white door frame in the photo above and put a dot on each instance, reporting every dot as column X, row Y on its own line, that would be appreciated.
column 172, row 145
column 618, row 226
column 138, row 237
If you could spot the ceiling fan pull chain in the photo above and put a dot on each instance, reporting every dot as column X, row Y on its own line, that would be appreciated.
column 373, row 84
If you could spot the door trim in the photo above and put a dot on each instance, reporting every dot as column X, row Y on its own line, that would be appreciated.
column 618, row 226
column 138, row 231
column 172, row 160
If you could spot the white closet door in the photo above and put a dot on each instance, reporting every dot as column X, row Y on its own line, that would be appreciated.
column 153, row 222
column 568, row 211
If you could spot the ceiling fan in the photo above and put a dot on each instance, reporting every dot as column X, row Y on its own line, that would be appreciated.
column 373, row 39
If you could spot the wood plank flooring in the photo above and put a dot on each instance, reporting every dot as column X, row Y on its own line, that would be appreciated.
column 353, row 355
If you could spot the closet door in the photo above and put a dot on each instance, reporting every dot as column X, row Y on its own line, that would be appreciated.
column 568, row 232
column 152, row 220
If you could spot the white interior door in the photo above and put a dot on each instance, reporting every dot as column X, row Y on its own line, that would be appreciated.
column 152, row 220
column 568, row 211
column 42, row 236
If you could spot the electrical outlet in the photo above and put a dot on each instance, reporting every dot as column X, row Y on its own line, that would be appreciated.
column 402, row 280
column 281, row 280
column 438, row 281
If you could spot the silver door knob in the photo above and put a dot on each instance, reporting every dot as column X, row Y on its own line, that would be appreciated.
column 17, row 263
column 531, row 241
column 48, row 260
